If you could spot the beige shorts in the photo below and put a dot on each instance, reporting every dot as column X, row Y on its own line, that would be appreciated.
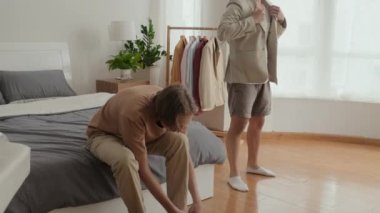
column 248, row 100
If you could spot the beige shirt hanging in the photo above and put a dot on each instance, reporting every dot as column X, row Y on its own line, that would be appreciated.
column 212, row 88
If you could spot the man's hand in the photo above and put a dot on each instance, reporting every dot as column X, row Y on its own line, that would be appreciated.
column 195, row 208
column 276, row 12
column 258, row 12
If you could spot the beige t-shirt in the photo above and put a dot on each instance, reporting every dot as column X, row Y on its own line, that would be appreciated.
column 129, row 116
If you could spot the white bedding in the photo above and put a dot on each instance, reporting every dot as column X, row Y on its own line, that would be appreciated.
column 56, row 105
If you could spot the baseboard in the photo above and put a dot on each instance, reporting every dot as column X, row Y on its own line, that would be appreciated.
column 309, row 136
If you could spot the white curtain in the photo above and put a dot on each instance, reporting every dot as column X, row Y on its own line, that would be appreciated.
column 331, row 50
column 173, row 13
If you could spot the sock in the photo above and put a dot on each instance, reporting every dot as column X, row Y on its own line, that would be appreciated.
column 238, row 184
column 261, row 171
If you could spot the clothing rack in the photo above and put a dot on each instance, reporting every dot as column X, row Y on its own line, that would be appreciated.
column 220, row 134
column 169, row 29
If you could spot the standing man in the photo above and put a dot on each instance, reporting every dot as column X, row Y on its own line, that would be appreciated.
column 251, row 27
column 146, row 120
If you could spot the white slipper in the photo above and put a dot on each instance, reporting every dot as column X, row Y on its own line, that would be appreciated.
column 238, row 184
column 261, row 171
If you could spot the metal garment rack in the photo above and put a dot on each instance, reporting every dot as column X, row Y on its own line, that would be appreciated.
column 169, row 29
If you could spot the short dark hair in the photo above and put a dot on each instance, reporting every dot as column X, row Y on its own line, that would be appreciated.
column 171, row 102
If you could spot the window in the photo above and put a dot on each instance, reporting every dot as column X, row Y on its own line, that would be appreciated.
column 330, row 50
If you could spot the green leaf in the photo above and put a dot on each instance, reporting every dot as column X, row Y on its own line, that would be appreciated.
column 139, row 53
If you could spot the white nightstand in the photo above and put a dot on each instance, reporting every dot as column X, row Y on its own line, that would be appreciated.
column 14, row 168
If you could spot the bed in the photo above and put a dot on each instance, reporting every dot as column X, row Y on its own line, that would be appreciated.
column 64, row 177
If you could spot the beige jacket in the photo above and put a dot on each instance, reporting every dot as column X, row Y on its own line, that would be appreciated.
column 253, row 55
column 212, row 88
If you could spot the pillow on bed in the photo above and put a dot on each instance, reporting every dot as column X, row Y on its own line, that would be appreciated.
column 2, row 101
column 205, row 147
column 18, row 85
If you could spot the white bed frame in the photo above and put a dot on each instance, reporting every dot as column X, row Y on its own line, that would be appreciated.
column 35, row 56
column 48, row 56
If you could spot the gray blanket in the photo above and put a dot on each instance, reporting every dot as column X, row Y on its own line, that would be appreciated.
column 63, row 173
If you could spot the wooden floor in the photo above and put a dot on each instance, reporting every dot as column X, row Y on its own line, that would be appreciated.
column 312, row 176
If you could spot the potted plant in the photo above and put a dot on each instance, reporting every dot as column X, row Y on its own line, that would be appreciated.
column 126, row 61
column 149, row 51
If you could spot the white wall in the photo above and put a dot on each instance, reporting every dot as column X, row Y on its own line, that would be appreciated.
column 325, row 116
column 82, row 24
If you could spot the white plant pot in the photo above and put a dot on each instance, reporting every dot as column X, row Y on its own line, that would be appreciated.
column 125, row 74
column 154, row 74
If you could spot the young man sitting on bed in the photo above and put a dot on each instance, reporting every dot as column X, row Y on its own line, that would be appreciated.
column 146, row 120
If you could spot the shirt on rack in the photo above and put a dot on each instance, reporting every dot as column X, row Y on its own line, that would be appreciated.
column 184, row 59
column 178, row 53
column 189, row 67
column 212, row 88
column 196, row 70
